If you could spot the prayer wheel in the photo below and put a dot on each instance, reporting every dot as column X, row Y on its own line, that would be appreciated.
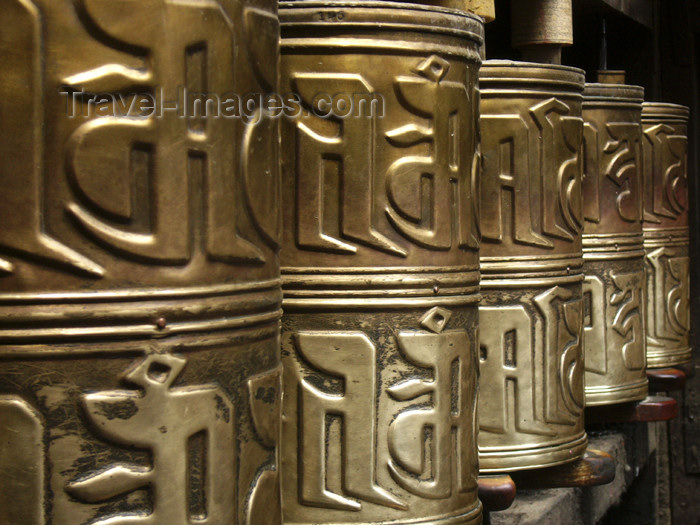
column 140, row 300
column 613, row 245
column 666, row 236
column 531, row 395
column 380, row 264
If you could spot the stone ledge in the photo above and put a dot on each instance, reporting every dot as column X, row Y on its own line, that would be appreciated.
column 631, row 445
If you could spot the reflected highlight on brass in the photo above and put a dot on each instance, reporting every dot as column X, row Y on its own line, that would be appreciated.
column 613, row 246
column 140, row 298
column 380, row 267
column 666, row 234
column 531, row 356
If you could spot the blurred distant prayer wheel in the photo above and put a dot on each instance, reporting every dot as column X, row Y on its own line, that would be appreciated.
column 540, row 28
column 531, row 319
column 613, row 245
column 540, row 22
column 666, row 233
column 380, row 258
column 140, row 296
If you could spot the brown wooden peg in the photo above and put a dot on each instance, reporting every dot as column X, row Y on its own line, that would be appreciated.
column 594, row 468
column 666, row 379
column 653, row 408
column 496, row 492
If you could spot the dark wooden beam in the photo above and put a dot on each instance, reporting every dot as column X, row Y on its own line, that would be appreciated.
column 641, row 11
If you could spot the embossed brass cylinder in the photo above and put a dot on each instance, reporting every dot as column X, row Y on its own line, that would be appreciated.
column 531, row 351
column 613, row 245
column 139, row 271
column 666, row 234
column 380, row 265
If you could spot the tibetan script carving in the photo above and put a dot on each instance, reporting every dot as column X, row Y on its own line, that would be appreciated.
column 380, row 183
column 105, row 172
column 614, row 327
column 627, row 297
column 351, row 357
column 507, row 339
column 22, row 462
column 23, row 229
column 451, row 390
column 543, row 189
column 594, row 324
column 352, row 154
column 666, row 173
column 669, row 295
column 616, row 160
column 624, row 150
column 612, row 180
column 449, row 199
column 165, row 150
column 265, row 396
column 403, row 402
column 163, row 420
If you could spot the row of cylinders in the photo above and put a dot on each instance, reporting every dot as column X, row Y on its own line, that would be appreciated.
column 500, row 231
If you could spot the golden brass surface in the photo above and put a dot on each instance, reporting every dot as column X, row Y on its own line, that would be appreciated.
column 139, row 272
column 613, row 245
column 486, row 9
column 380, row 267
column 666, row 234
column 531, row 384
column 541, row 22
column 610, row 76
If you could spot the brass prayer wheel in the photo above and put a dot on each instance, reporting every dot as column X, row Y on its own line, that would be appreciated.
column 613, row 245
column 140, row 299
column 531, row 351
column 666, row 235
column 380, row 264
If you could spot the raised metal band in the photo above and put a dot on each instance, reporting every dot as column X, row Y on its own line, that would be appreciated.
column 499, row 75
column 604, row 395
column 617, row 95
column 663, row 357
column 515, row 459
column 374, row 18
